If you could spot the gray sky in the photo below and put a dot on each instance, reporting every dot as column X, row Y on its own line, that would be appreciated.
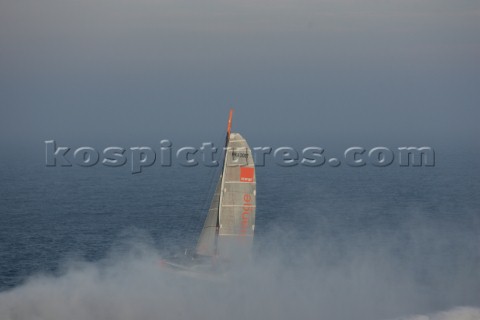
column 301, row 72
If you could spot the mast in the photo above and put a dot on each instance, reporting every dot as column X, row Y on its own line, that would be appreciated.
column 229, row 129
column 207, row 242
column 229, row 227
column 227, row 139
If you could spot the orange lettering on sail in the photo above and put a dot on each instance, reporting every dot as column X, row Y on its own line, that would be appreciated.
column 247, row 208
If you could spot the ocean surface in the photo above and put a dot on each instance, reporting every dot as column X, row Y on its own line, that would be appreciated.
column 331, row 243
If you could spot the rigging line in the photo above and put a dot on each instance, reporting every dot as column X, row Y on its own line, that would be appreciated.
column 196, row 224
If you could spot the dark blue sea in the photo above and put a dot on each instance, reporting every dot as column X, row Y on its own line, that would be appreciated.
column 331, row 243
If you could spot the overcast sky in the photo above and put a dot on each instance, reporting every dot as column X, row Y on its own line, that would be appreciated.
column 300, row 71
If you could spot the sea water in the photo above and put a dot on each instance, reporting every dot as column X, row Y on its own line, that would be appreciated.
column 330, row 243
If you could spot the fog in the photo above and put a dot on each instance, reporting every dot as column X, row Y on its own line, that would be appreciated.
column 129, row 72
column 333, row 74
column 357, row 276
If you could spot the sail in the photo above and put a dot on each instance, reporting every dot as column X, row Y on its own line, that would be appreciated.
column 237, row 200
column 206, row 245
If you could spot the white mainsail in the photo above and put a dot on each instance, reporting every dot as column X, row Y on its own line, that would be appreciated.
column 237, row 200
column 229, row 227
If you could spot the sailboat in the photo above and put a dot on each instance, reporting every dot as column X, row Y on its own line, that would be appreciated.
column 228, row 230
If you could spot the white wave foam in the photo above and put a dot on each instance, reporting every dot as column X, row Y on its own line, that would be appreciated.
column 134, row 286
